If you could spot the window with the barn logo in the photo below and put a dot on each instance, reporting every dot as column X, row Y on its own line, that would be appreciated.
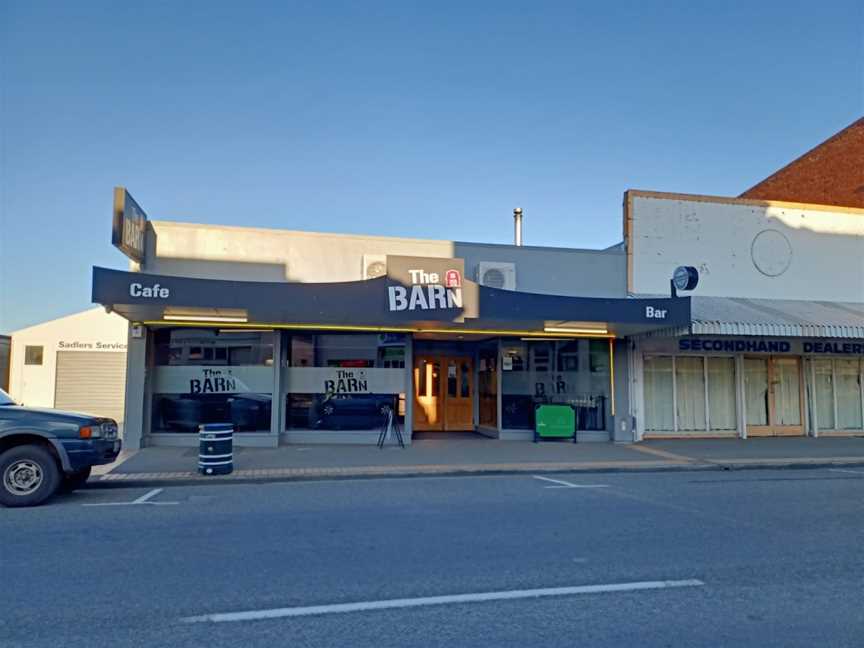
column 345, row 382
column 212, row 376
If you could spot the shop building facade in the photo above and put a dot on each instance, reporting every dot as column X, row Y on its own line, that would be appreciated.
column 776, row 342
column 300, row 337
column 76, row 362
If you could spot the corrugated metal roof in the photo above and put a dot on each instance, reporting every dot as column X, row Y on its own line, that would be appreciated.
column 776, row 317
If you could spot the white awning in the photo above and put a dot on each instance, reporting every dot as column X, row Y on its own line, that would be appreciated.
column 772, row 317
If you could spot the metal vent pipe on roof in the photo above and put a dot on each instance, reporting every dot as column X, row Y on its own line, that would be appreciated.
column 517, row 226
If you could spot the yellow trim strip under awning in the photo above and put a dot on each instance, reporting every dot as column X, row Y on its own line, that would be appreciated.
column 373, row 329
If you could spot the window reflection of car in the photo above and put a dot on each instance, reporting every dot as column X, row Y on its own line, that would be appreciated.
column 250, row 411
column 185, row 413
column 352, row 411
column 180, row 413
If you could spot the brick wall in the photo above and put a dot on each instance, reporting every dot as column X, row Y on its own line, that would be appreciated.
column 830, row 174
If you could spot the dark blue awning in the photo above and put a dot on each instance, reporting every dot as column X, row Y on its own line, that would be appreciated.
column 142, row 297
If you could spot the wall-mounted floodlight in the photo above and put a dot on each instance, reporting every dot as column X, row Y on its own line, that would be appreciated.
column 684, row 278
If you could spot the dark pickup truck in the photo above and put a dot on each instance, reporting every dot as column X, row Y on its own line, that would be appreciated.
column 43, row 451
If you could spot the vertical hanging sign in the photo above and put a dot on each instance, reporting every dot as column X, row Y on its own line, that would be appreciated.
column 129, row 228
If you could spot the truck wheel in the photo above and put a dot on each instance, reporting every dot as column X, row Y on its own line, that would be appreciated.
column 28, row 476
column 74, row 480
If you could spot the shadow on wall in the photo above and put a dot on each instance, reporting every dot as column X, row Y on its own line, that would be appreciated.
column 230, row 269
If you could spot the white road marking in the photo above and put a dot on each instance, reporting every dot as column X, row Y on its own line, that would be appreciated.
column 850, row 472
column 389, row 604
column 147, row 496
column 143, row 500
column 566, row 484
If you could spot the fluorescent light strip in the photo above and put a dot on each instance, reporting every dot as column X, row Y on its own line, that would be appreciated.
column 567, row 329
column 205, row 318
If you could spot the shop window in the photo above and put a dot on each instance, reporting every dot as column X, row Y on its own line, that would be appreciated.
column 837, row 393
column 722, row 411
column 385, row 350
column 659, row 383
column 344, row 381
column 568, row 356
column 848, row 390
column 690, row 393
column 212, row 376
column 823, row 376
column 599, row 356
column 685, row 377
column 537, row 372
column 514, row 357
column 33, row 355
column 487, row 386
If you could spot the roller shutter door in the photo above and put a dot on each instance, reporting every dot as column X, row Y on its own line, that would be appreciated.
column 92, row 382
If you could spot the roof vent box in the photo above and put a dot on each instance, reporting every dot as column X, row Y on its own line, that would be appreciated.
column 497, row 274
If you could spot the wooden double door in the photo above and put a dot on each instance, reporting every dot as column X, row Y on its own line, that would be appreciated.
column 773, row 392
column 443, row 393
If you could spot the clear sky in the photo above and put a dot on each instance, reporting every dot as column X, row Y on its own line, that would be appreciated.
column 425, row 119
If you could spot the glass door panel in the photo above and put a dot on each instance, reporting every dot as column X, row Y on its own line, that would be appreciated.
column 459, row 404
column 824, row 394
column 443, row 393
column 428, row 404
column 786, row 384
column 756, row 393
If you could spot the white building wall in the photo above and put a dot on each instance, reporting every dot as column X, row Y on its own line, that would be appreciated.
column 745, row 248
column 253, row 254
column 90, row 330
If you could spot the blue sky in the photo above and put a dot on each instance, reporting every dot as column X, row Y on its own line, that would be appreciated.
column 426, row 119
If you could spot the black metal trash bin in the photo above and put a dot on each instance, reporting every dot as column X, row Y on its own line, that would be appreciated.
column 216, row 448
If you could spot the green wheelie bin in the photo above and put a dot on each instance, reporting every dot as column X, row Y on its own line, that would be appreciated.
column 554, row 422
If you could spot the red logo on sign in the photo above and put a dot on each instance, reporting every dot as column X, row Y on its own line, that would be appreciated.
column 452, row 279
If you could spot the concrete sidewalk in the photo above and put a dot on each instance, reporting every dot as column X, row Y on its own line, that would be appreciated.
column 474, row 454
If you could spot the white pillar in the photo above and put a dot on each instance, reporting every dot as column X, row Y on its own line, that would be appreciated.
column 136, row 380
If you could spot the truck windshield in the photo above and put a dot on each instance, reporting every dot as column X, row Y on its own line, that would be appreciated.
column 5, row 399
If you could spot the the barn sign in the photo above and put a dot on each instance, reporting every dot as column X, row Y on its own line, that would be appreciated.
column 429, row 287
column 428, row 290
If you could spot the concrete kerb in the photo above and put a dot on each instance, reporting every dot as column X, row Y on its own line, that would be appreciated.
column 133, row 480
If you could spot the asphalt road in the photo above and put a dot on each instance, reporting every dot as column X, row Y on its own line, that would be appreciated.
column 779, row 554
